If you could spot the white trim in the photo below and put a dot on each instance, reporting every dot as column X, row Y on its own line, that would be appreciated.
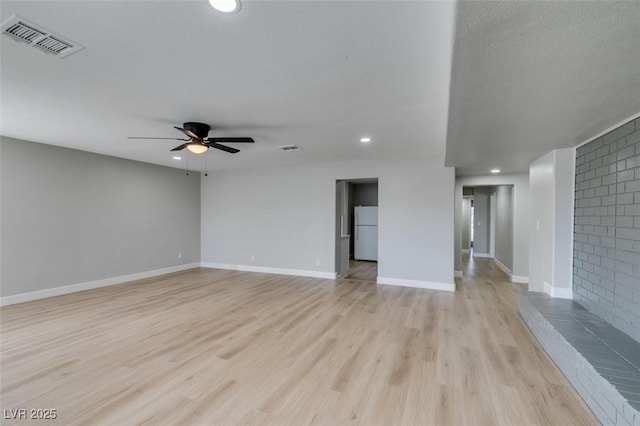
column 268, row 270
column 89, row 285
column 615, row 126
column 458, row 274
column 561, row 293
column 487, row 255
column 519, row 279
column 546, row 288
column 557, row 292
column 417, row 284
column 501, row 266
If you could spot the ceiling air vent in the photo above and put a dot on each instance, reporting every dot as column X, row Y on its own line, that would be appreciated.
column 53, row 45
column 21, row 30
column 290, row 148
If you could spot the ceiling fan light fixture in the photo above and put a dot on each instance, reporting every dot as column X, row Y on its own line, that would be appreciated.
column 226, row 6
column 197, row 148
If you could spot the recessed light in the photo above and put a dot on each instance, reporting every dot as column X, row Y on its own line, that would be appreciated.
column 495, row 170
column 365, row 140
column 177, row 158
column 226, row 6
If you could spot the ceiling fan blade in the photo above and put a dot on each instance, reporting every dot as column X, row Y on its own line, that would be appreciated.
column 143, row 137
column 231, row 140
column 180, row 148
column 222, row 147
column 187, row 132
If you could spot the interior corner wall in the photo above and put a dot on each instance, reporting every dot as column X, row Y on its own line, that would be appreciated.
column 551, row 225
column 541, row 243
column 564, row 170
column 70, row 217
column 284, row 217
column 504, row 226
column 606, row 278
column 521, row 207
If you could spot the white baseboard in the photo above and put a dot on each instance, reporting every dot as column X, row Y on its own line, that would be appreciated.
column 268, row 270
column 458, row 274
column 58, row 291
column 482, row 255
column 417, row 284
column 501, row 266
column 519, row 279
column 558, row 293
column 561, row 293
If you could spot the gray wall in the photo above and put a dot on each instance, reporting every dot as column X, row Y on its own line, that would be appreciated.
column 466, row 222
column 70, row 217
column 343, row 196
column 606, row 278
column 481, row 211
column 504, row 226
column 285, row 217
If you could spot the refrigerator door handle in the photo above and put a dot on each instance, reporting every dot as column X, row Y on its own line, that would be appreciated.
column 356, row 230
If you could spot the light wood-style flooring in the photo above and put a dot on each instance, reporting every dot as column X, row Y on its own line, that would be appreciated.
column 362, row 270
column 217, row 347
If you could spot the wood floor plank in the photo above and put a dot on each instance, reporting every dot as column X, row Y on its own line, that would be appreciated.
column 218, row 347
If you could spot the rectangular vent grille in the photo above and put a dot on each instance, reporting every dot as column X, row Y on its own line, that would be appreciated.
column 290, row 148
column 23, row 32
column 53, row 45
column 34, row 35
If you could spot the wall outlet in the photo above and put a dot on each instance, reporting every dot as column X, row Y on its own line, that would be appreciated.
column 179, row 255
column 317, row 261
column 253, row 259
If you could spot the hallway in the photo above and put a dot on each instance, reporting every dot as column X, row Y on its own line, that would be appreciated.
column 477, row 267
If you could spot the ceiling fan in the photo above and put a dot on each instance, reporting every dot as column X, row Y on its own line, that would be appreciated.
column 198, row 141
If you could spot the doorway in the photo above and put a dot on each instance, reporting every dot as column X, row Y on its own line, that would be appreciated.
column 487, row 224
column 470, row 225
column 357, row 229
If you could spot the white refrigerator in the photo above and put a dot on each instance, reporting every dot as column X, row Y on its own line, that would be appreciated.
column 366, row 230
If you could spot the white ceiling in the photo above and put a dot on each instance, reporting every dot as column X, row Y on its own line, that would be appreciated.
column 318, row 74
column 530, row 77
column 527, row 77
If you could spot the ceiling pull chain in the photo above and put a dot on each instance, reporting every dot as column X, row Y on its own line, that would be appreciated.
column 206, row 168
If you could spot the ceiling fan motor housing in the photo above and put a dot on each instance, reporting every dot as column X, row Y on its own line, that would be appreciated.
column 199, row 129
